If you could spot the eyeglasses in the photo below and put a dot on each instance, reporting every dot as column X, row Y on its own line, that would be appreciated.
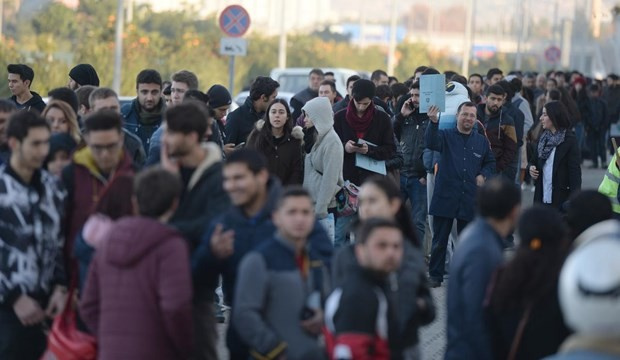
column 97, row 148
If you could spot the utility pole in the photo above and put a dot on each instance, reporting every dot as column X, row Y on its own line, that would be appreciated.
column 363, row 11
column 597, row 12
column 118, row 49
column 129, row 11
column 392, row 48
column 522, row 30
column 282, row 46
column 1, row 17
column 468, row 38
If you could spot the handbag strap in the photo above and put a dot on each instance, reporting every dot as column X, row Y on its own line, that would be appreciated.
column 516, row 342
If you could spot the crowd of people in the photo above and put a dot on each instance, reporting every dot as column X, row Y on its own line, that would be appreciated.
column 320, row 226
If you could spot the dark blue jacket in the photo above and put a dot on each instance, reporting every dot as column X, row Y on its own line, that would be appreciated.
column 476, row 257
column 461, row 161
column 271, row 293
column 249, row 234
column 133, row 124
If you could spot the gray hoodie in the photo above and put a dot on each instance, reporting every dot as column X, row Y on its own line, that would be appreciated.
column 323, row 165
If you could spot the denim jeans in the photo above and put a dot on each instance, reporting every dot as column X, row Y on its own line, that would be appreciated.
column 411, row 189
column 343, row 229
column 329, row 226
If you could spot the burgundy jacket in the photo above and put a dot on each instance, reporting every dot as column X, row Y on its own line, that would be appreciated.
column 137, row 297
column 85, row 183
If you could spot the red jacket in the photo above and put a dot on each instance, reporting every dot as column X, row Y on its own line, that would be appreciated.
column 137, row 297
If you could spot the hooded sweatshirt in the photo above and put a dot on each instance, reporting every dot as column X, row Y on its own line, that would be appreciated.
column 35, row 102
column 323, row 165
column 137, row 299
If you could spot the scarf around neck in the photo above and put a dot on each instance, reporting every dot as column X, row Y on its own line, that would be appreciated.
column 359, row 124
column 153, row 117
column 549, row 141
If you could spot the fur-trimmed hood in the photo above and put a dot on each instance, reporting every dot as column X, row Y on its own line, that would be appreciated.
column 297, row 132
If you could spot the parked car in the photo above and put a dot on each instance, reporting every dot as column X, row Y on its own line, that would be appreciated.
column 240, row 98
column 296, row 79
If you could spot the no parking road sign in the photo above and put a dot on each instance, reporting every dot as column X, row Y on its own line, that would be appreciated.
column 553, row 54
column 234, row 21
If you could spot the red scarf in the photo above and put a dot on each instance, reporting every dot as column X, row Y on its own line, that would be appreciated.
column 360, row 124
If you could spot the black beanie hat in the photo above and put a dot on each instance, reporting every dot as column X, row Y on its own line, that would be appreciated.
column 362, row 89
column 60, row 142
column 218, row 96
column 84, row 74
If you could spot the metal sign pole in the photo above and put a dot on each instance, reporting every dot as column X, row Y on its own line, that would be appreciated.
column 231, row 74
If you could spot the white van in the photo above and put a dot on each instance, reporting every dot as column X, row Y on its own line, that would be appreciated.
column 295, row 80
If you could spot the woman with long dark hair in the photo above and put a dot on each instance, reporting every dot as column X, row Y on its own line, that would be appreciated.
column 280, row 142
column 555, row 165
column 524, row 316
column 380, row 198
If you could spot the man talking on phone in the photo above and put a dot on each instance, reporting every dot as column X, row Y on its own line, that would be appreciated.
column 410, row 126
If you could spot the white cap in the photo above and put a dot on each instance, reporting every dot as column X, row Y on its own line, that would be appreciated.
column 590, row 283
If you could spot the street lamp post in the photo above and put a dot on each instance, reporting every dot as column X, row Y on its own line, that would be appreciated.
column 118, row 49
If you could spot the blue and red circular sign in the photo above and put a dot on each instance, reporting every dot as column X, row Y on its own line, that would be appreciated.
column 234, row 21
column 553, row 54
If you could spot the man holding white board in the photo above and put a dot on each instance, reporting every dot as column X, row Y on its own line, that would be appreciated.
column 432, row 92
column 466, row 162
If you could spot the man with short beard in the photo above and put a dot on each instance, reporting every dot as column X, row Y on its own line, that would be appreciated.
column 33, row 287
column 499, row 128
column 202, row 198
column 143, row 115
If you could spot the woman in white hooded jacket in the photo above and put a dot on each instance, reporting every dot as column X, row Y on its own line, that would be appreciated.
column 323, row 164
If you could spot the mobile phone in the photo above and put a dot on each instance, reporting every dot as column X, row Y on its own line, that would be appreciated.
column 358, row 145
column 240, row 145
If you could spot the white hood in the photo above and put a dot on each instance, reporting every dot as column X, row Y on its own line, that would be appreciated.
column 320, row 111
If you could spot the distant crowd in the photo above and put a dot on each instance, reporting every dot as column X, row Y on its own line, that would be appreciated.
column 316, row 228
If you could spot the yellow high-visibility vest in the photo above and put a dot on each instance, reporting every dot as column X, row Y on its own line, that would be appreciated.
column 610, row 184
